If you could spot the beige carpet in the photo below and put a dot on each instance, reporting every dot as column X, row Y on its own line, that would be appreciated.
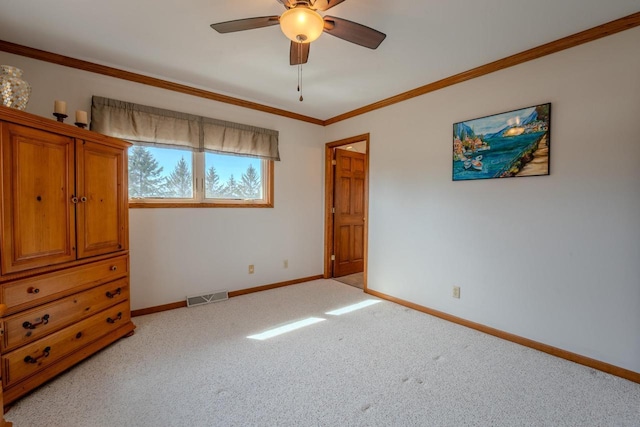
column 383, row 365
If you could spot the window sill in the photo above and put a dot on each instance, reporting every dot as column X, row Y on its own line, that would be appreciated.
column 226, row 204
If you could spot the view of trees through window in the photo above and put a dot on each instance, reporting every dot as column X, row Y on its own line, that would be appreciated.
column 169, row 173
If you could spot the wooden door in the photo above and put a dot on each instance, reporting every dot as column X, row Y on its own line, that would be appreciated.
column 348, row 228
column 38, row 216
column 102, row 203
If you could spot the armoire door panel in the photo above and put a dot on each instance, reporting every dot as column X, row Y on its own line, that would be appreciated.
column 38, row 215
column 101, row 211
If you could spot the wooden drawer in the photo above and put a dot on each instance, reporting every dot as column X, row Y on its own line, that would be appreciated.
column 33, row 291
column 25, row 361
column 28, row 326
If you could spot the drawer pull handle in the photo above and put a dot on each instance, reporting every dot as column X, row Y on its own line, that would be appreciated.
column 114, row 293
column 113, row 268
column 118, row 317
column 43, row 321
column 83, row 199
column 45, row 353
column 33, row 290
column 74, row 199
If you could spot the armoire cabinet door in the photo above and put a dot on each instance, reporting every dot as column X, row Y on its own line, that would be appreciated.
column 101, row 210
column 38, row 219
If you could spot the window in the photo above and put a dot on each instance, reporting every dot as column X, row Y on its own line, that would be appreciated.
column 182, row 160
column 158, row 173
column 233, row 177
column 169, row 177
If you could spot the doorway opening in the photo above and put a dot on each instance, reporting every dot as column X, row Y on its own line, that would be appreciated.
column 346, row 210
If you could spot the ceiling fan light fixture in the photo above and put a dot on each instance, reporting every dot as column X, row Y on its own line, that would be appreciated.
column 301, row 24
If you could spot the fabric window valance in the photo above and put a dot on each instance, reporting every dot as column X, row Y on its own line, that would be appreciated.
column 152, row 126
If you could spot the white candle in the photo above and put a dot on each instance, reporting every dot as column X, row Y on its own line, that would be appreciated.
column 60, row 107
column 81, row 117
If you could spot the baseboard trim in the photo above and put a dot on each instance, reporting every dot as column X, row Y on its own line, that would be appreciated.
column 158, row 308
column 180, row 304
column 554, row 351
column 274, row 285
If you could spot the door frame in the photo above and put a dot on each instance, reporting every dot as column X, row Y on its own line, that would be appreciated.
column 328, row 202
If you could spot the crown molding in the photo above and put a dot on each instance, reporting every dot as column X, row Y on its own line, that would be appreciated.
column 80, row 64
column 564, row 43
column 568, row 42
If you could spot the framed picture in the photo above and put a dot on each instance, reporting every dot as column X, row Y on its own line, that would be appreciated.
column 515, row 143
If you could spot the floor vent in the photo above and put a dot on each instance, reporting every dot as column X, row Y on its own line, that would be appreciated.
column 215, row 296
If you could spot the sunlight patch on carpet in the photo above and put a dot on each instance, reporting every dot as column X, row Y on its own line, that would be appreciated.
column 353, row 307
column 285, row 328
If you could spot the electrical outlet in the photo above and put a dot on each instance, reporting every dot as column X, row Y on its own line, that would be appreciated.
column 456, row 291
column 250, row 268
column 285, row 264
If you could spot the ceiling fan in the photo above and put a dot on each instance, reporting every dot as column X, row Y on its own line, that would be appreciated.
column 302, row 24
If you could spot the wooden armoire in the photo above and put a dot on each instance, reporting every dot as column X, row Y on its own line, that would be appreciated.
column 64, row 247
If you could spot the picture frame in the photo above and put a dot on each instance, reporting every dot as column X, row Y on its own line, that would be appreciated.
column 515, row 143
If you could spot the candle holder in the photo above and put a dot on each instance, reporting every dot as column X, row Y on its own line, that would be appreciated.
column 60, row 117
column 81, row 125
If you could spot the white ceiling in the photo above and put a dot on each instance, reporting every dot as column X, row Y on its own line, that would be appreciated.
column 427, row 40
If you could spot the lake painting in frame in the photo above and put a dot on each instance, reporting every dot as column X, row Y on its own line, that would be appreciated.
column 515, row 143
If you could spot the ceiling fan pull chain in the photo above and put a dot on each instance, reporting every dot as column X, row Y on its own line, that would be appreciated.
column 299, row 64
column 300, row 83
column 300, row 70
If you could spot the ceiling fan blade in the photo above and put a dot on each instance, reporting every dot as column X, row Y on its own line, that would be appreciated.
column 299, row 53
column 321, row 6
column 353, row 32
column 245, row 24
column 288, row 3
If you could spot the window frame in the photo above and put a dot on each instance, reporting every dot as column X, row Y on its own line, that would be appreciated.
column 200, row 201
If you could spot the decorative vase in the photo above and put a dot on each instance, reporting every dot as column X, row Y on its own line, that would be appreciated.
column 15, row 91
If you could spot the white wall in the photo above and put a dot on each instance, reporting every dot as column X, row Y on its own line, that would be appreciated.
column 554, row 258
column 179, row 252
